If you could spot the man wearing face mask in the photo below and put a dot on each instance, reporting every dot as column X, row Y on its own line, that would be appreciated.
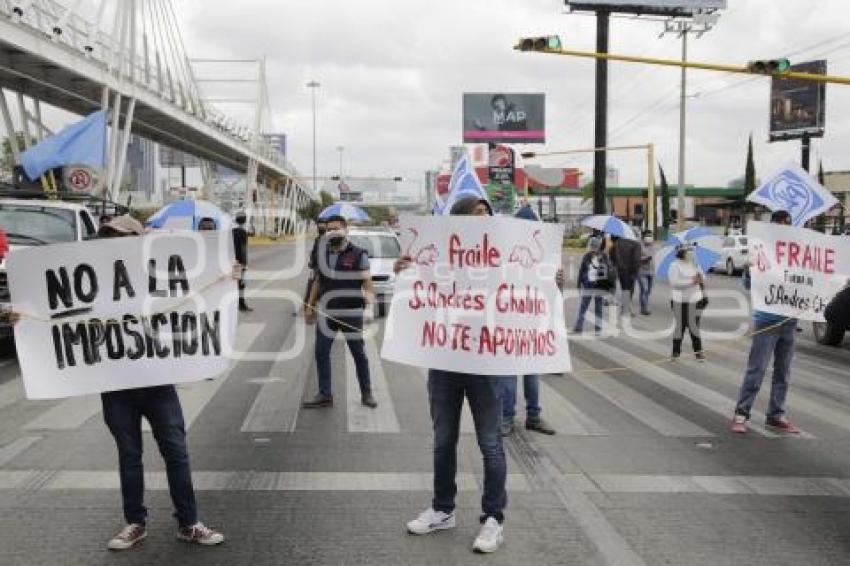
column 240, row 247
column 340, row 295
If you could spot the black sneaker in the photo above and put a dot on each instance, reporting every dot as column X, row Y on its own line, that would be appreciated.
column 319, row 401
column 368, row 400
column 537, row 424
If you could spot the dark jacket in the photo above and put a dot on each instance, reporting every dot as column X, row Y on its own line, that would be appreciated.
column 345, row 291
column 605, row 281
column 627, row 256
column 240, row 244
column 837, row 311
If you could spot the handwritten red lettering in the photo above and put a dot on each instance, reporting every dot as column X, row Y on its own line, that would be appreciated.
column 479, row 255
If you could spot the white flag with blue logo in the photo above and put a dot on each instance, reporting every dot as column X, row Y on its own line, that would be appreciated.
column 464, row 183
column 795, row 191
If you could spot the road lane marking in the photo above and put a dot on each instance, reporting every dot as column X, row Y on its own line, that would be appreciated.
column 562, row 415
column 798, row 400
column 708, row 398
column 68, row 414
column 276, row 406
column 11, row 392
column 636, row 405
column 16, row 447
column 381, row 419
column 43, row 480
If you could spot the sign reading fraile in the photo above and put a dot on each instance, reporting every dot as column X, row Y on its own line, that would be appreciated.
column 796, row 271
column 480, row 297
column 123, row 313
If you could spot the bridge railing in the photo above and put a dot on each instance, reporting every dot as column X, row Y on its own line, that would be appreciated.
column 147, row 69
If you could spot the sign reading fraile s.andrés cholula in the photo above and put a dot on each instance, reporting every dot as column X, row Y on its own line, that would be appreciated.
column 123, row 313
column 480, row 297
column 796, row 271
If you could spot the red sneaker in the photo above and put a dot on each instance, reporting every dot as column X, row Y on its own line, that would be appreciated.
column 782, row 424
column 739, row 424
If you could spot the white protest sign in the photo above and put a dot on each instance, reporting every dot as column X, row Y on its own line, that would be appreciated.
column 123, row 313
column 480, row 297
column 796, row 272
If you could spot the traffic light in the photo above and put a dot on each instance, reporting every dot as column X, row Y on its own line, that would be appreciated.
column 542, row 43
column 769, row 66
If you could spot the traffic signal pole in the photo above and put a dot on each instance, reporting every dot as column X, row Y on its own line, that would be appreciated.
column 694, row 65
column 600, row 158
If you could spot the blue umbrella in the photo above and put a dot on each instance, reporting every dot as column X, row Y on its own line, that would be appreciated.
column 346, row 210
column 186, row 214
column 610, row 225
column 701, row 239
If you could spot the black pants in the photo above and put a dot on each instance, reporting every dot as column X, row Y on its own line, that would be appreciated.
column 688, row 316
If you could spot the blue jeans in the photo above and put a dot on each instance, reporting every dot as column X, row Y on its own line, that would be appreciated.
column 352, row 331
column 778, row 342
column 596, row 295
column 123, row 412
column 645, row 282
column 531, row 390
column 446, row 391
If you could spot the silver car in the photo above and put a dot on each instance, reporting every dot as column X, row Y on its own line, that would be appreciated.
column 383, row 248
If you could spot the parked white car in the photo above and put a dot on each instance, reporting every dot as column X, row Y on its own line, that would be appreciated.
column 383, row 248
column 733, row 255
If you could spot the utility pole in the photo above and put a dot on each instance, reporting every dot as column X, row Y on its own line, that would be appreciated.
column 313, row 85
column 806, row 150
column 600, row 157
column 340, row 149
column 680, row 193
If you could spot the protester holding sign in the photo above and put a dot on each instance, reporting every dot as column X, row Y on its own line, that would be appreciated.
column 159, row 405
column 446, row 392
column 773, row 336
column 687, row 297
column 343, row 293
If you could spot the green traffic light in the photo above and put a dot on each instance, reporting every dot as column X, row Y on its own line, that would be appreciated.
column 783, row 65
column 554, row 43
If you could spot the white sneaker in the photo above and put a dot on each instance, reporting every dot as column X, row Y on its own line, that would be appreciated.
column 430, row 521
column 490, row 537
column 128, row 537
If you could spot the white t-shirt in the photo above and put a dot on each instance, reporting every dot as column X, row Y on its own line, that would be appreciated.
column 683, row 289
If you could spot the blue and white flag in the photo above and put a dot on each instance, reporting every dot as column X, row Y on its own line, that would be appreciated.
column 464, row 183
column 81, row 143
column 795, row 191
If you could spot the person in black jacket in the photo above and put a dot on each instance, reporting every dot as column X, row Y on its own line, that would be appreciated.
column 240, row 246
column 837, row 312
column 595, row 279
column 626, row 256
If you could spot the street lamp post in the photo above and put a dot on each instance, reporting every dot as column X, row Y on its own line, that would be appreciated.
column 340, row 149
column 313, row 85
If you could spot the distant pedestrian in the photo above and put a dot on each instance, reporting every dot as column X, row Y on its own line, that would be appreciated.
column 688, row 299
column 123, row 412
column 240, row 246
column 596, row 280
column 626, row 256
column 773, row 336
column 312, row 259
column 340, row 295
column 530, row 382
column 646, row 274
column 446, row 393
column 207, row 224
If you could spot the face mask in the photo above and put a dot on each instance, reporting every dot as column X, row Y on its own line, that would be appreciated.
column 336, row 237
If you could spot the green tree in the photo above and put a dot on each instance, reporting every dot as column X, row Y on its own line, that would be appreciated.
column 326, row 198
column 750, row 170
column 7, row 159
column 665, row 201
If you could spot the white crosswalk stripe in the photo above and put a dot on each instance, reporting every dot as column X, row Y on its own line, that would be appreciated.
column 701, row 395
column 278, row 401
column 381, row 419
column 563, row 416
column 638, row 406
column 67, row 415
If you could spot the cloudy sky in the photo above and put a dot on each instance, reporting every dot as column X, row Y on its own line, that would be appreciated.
column 393, row 73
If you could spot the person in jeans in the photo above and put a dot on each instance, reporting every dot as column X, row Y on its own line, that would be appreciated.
column 446, row 392
column 123, row 412
column 343, row 292
column 773, row 335
column 686, row 294
column 646, row 273
column 530, row 382
column 595, row 280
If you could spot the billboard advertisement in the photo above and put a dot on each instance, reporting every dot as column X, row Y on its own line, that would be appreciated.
column 504, row 118
column 662, row 7
column 501, row 165
column 798, row 107
column 552, row 180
